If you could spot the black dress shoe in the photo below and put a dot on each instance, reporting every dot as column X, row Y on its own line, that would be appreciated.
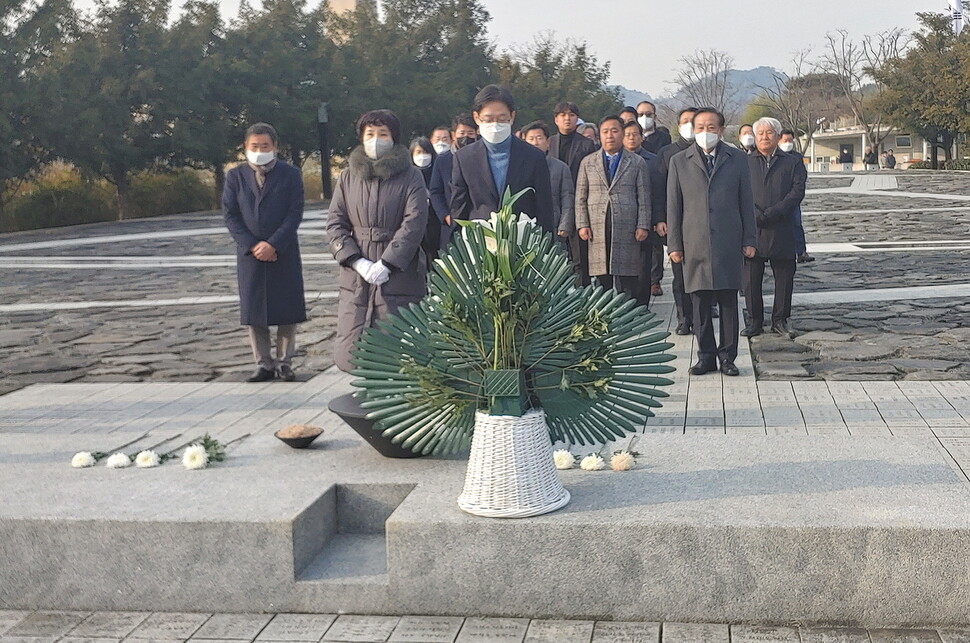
column 728, row 368
column 752, row 330
column 286, row 373
column 683, row 329
column 781, row 328
column 262, row 375
column 805, row 258
column 703, row 367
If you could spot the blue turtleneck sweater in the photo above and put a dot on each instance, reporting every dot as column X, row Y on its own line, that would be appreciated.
column 498, row 161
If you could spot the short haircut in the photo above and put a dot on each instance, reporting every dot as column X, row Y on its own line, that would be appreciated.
column 709, row 110
column 611, row 117
column 587, row 126
column 634, row 124
column 465, row 119
column 773, row 123
column 685, row 111
column 536, row 125
column 632, row 110
column 647, row 102
column 743, row 125
column 378, row 117
column 564, row 106
column 493, row 94
column 262, row 129
column 423, row 143
column 440, row 128
column 788, row 132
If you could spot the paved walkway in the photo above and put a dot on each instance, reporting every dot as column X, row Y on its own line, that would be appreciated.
column 144, row 627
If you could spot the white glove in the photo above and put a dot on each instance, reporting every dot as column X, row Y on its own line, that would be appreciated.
column 363, row 267
column 378, row 274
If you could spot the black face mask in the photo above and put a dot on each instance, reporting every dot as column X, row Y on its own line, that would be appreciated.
column 463, row 141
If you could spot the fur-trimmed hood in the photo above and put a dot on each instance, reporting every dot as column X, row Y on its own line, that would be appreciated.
column 395, row 161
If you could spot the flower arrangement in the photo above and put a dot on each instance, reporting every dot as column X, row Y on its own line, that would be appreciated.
column 195, row 456
column 620, row 460
column 503, row 330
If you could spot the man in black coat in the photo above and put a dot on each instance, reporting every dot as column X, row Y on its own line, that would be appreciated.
column 571, row 148
column 463, row 132
column 654, row 138
column 682, row 302
column 778, row 185
column 262, row 204
column 496, row 161
column 633, row 142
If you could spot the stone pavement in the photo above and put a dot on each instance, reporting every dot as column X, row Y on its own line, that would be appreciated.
column 145, row 627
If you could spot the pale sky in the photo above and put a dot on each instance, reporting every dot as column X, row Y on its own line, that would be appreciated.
column 644, row 40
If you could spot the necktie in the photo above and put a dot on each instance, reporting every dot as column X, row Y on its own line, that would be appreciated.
column 710, row 164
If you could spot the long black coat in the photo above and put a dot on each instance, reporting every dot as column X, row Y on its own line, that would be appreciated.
column 580, row 148
column 474, row 195
column 656, row 141
column 270, row 292
column 777, row 194
column 440, row 190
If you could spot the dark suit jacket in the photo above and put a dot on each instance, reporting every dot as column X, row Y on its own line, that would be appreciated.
column 657, row 140
column 581, row 148
column 658, row 188
column 777, row 192
column 440, row 190
column 473, row 190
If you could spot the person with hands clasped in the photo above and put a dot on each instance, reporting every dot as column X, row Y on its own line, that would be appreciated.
column 262, row 204
column 377, row 220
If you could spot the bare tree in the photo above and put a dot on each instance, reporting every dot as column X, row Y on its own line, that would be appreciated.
column 702, row 79
column 852, row 64
column 804, row 98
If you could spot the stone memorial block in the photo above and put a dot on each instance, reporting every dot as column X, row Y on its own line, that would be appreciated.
column 236, row 627
column 426, row 629
column 695, row 633
column 763, row 634
column 361, row 629
column 497, row 630
column 46, row 624
column 834, row 635
column 622, row 632
column 555, row 631
column 297, row 627
column 170, row 626
column 903, row 636
column 110, row 625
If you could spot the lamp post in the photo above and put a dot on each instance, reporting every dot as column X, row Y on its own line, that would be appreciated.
column 323, row 130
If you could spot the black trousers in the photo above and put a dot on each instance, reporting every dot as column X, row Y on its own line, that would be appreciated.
column 657, row 259
column 783, row 271
column 727, row 348
column 646, row 270
column 626, row 285
column 579, row 254
column 682, row 301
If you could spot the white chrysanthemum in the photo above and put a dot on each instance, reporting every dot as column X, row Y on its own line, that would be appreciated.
column 563, row 459
column 147, row 459
column 118, row 461
column 83, row 459
column 592, row 462
column 195, row 457
column 622, row 461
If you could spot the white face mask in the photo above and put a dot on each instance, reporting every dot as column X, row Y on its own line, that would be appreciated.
column 495, row 132
column 441, row 147
column 646, row 122
column 786, row 147
column 686, row 131
column 422, row 160
column 707, row 140
column 747, row 140
column 375, row 148
column 260, row 158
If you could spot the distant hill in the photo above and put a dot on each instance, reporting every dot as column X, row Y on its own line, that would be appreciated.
column 743, row 87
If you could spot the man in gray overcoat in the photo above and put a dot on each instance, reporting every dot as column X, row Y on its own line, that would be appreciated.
column 711, row 229
column 563, row 191
column 613, row 209
column 262, row 204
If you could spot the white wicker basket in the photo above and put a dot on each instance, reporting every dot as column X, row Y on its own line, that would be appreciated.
column 511, row 473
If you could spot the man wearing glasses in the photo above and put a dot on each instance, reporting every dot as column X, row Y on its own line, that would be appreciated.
column 496, row 161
